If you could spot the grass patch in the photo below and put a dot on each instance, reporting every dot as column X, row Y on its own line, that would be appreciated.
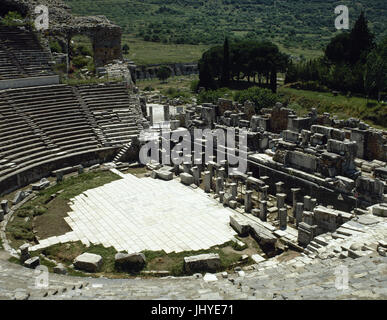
column 46, row 218
column 156, row 260
column 344, row 107
column 174, row 262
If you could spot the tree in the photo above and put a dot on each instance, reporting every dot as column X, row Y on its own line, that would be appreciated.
column 163, row 73
column 225, row 79
column 338, row 49
column 362, row 40
column 125, row 48
column 375, row 75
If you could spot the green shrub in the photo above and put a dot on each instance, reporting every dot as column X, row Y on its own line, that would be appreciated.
column 80, row 62
column 262, row 98
column 55, row 47
column 12, row 18
column 194, row 86
column 148, row 88
column 212, row 96
column 309, row 85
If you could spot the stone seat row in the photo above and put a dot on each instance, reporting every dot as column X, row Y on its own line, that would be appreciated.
column 38, row 124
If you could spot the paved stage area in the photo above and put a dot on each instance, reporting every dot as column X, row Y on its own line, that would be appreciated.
column 134, row 214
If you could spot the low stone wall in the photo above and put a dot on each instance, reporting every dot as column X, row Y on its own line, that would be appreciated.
column 28, row 82
column 324, row 195
column 25, row 176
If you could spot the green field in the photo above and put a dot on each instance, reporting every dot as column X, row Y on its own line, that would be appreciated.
column 145, row 52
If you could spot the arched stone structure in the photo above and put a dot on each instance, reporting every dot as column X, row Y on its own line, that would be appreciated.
column 105, row 36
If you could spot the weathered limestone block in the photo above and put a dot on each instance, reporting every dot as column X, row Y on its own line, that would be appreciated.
column 4, row 206
column 290, row 136
column 164, row 175
column 60, row 269
column 239, row 224
column 88, row 262
column 20, row 196
column 308, row 218
column 318, row 139
column 262, row 235
column 233, row 204
column 305, row 137
column 43, row 184
column 301, row 160
column 328, row 220
column 186, row 179
column 129, row 262
column 342, row 147
column 306, row 233
column 32, row 263
column 202, row 263
column 380, row 210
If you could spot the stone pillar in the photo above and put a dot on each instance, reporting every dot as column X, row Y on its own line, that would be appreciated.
column 24, row 252
column 207, row 181
column 196, row 175
column 4, row 206
column 210, row 168
column 307, row 203
column 221, row 196
column 264, row 191
column 313, row 204
column 283, row 218
column 299, row 212
column 295, row 192
column 280, row 200
column 263, row 209
column 279, row 187
column 222, row 173
column 248, row 202
column 176, row 167
column 166, row 113
column 219, row 185
column 59, row 177
column 151, row 116
column 187, row 167
column 224, row 164
column 80, row 169
column 234, row 190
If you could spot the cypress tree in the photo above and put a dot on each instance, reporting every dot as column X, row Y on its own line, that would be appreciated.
column 225, row 79
column 362, row 40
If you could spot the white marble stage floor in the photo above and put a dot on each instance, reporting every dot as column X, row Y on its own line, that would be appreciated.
column 134, row 214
